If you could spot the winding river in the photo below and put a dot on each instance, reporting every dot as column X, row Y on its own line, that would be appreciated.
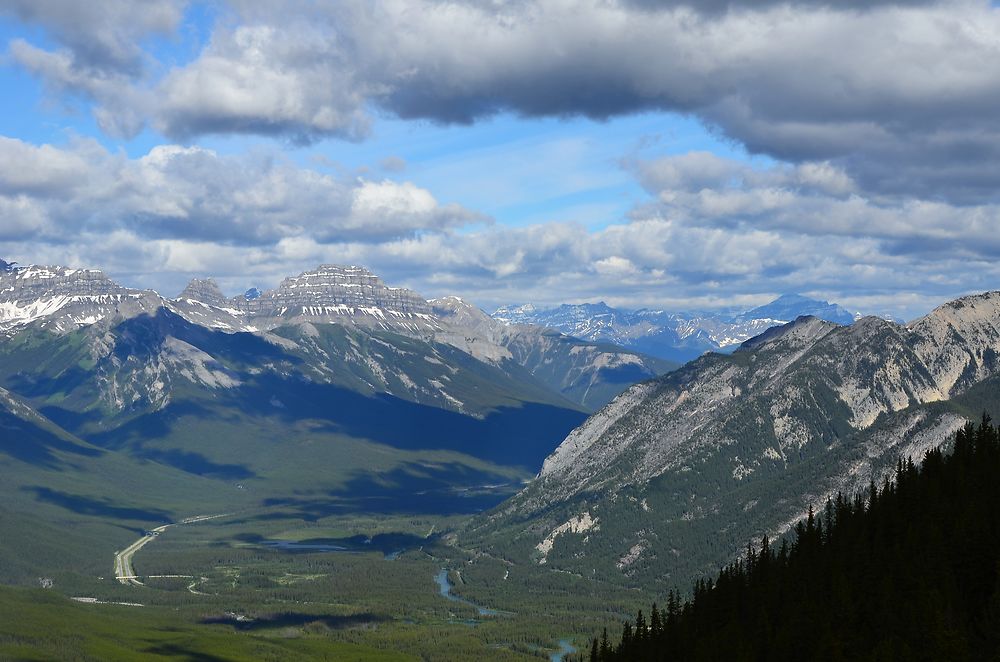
column 444, row 585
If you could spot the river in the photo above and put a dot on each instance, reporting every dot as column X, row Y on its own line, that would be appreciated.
column 445, row 587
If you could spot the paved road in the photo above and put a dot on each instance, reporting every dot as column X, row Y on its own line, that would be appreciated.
column 123, row 559
column 124, row 572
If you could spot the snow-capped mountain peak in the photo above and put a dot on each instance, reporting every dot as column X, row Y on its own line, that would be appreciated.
column 62, row 299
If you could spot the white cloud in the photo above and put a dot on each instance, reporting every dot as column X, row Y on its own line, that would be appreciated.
column 259, row 79
column 713, row 231
column 191, row 193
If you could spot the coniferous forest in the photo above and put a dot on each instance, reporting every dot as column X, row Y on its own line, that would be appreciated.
column 908, row 571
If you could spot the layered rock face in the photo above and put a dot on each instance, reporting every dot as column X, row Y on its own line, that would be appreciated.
column 329, row 294
column 334, row 293
column 62, row 299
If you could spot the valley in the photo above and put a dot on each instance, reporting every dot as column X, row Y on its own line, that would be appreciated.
column 421, row 482
column 337, row 456
column 499, row 330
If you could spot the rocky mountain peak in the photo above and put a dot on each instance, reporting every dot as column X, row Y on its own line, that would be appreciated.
column 205, row 290
column 800, row 331
column 337, row 294
column 62, row 298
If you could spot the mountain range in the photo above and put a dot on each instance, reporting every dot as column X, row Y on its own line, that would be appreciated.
column 336, row 393
column 332, row 393
column 60, row 300
column 673, row 477
column 676, row 336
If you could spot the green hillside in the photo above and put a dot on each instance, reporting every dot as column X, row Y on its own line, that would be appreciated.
column 67, row 505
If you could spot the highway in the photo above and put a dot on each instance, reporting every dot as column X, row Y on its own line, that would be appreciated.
column 124, row 572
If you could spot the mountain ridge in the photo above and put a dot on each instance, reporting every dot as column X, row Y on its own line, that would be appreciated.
column 680, row 336
column 802, row 411
column 61, row 299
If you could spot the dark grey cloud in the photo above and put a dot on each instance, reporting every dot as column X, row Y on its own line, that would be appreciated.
column 901, row 94
column 101, row 36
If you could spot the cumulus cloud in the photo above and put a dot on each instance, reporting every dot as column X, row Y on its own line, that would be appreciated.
column 99, row 57
column 194, row 194
column 122, row 106
column 716, row 231
column 713, row 232
column 101, row 36
column 813, row 199
column 259, row 79
column 895, row 93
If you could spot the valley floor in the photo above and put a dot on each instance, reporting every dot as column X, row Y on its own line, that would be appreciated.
column 265, row 585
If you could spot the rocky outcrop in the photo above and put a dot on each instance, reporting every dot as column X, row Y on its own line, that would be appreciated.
column 331, row 293
column 328, row 294
column 205, row 290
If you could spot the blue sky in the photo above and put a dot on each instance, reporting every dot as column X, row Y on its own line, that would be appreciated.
column 678, row 156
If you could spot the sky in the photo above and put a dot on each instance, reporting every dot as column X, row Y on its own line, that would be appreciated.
column 648, row 153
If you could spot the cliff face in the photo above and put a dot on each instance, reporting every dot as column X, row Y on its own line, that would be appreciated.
column 329, row 294
column 333, row 293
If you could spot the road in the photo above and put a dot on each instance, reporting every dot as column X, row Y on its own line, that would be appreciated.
column 124, row 572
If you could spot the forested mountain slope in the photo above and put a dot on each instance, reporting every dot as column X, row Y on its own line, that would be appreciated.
column 907, row 570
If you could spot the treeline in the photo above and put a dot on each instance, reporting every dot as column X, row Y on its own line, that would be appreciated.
column 908, row 571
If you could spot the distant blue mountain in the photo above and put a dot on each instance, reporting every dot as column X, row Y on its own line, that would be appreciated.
column 788, row 307
column 676, row 336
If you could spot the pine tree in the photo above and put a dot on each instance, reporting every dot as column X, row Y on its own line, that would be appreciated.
column 655, row 624
column 913, row 572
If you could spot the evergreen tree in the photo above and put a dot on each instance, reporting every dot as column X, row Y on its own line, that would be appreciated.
column 912, row 572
